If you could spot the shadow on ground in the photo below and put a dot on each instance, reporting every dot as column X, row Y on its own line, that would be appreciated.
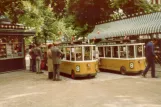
column 119, row 73
column 77, row 78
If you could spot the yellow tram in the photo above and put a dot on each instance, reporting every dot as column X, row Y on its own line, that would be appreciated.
column 124, row 58
column 79, row 61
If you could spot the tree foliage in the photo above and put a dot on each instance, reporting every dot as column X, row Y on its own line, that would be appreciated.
column 55, row 19
column 133, row 6
column 11, row 8
column 90, row 11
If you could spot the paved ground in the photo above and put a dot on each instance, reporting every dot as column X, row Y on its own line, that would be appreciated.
column 27, row 89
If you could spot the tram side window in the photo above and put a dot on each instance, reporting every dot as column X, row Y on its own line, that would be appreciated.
column 67, row 53
column 139, row 51
column 88, row 53
column 131, row 51
column 63, row 51
column 100, row 49
column 122, row 51
column 115, row 51
column 107, row 52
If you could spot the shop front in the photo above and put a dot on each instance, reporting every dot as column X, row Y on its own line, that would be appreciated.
column 12, row 46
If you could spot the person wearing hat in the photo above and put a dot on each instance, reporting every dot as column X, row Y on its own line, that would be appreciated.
column 56, row 57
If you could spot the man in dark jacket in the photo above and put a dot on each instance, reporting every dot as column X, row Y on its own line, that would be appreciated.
column 150, row 55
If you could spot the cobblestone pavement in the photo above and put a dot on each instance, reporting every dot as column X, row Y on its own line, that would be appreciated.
column 28, row 89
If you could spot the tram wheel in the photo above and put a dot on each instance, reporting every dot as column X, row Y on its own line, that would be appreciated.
column 93, row 76
column 123, row 70
column 72, row 75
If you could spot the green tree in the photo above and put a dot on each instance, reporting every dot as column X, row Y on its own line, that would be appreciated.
column 33, row 16
column 12, row 9
column 54, row 19
column 90, row 11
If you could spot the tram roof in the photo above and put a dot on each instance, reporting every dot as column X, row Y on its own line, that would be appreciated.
column 78, row 45
column 140, row 25
column 125, row 44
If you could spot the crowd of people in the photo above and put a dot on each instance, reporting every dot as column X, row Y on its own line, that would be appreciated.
column 35, row 58
column 53, row 60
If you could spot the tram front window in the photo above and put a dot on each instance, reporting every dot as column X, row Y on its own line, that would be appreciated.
column 78, row 52
column 95, row 53
column 88, row 53
column 131, row 51
column 122, row 51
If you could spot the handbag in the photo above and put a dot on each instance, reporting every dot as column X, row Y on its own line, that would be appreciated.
column 42, row 65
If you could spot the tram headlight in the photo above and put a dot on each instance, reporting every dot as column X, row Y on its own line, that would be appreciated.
column 131, row 65
column 77, row 68
column 88, row 65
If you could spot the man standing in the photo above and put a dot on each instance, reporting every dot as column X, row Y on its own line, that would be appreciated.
column 50, row 62
column 38, row 53
column 56, row 57
column 30, row 56
column 150, row 55
column 33, row 58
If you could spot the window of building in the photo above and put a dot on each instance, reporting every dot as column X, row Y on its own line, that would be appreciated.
column 11, row 47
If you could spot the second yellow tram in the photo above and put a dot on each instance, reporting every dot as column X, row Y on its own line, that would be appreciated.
column 124, row 58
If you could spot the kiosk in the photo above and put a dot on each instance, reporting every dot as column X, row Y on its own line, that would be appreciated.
column 12, row 46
